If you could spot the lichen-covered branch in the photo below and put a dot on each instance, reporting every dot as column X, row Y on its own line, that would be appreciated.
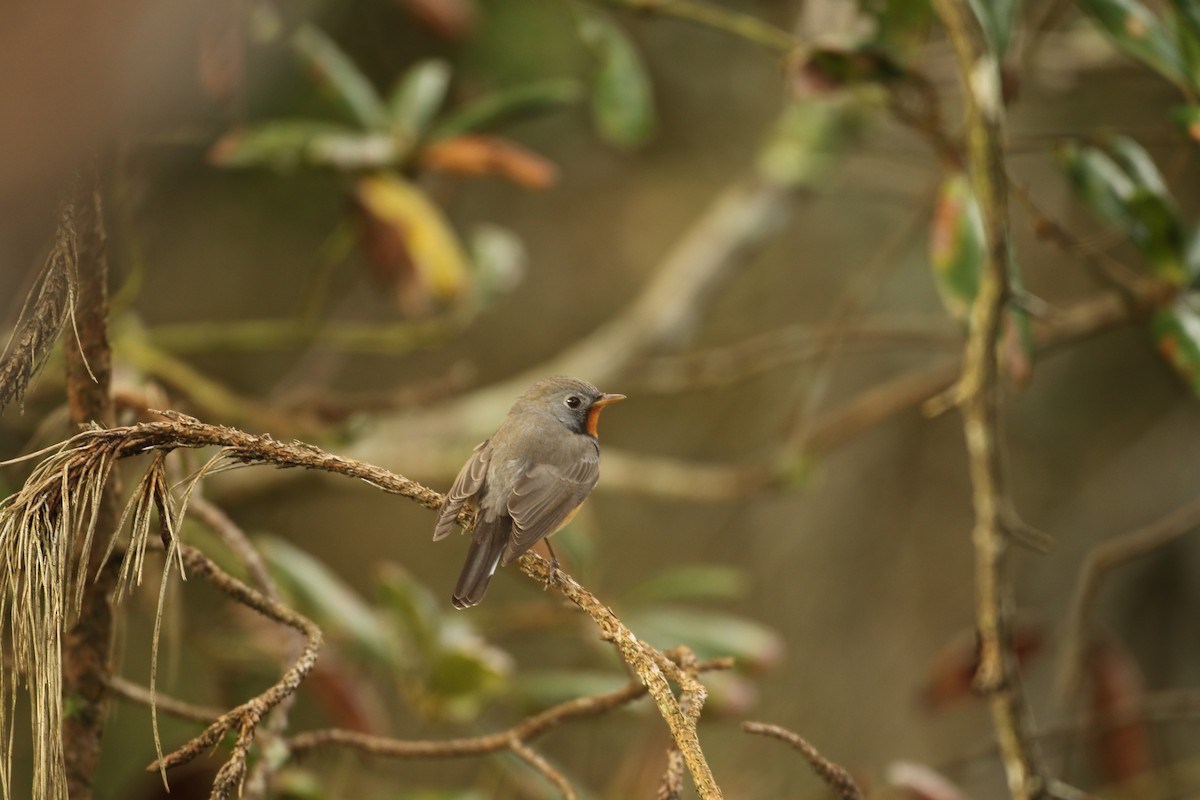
column 245, row 718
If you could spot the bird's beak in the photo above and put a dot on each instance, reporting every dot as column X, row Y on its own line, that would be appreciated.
column 608, row 400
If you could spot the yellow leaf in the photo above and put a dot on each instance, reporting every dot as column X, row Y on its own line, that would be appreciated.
column 409, row 243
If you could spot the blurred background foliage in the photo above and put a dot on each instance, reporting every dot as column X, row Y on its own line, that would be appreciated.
column 355, row 223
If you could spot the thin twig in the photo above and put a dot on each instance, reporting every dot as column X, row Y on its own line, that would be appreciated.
column 525, row 730
column 742, row 26
column 245, row 717
column 127, row 690
column 978, row 394
column 535, row 760
column 834, row 776
column 1099, row 562
column 256, row 568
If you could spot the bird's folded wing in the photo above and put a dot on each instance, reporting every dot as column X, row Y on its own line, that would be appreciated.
column 466, row 486
column 546, row 496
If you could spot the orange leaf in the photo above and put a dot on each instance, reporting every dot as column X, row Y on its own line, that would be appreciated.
column 479, row 155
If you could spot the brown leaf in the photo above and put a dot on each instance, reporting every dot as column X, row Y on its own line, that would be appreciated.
column 450, row 19
column 481, row 155
column 952, row 674
column 1122, row 749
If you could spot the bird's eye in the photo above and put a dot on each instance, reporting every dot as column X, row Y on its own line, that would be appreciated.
column 573, row 402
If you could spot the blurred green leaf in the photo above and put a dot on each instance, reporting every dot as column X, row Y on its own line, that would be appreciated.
column 622, row 96
column 1137, row 31
column 957, row 248
column 440, row 794
column 900, row 28
column 692, row 582
column 417, row 97
column 709, row 634
column 1124, row 187
column 1191, row 257
column 411, row 605
column 296, row 783
column 1187, row 118
column 997, row 18
column 465, row 673
column 543, row 688
column 333, row 605
column 1177, row 332
column 804, row 141
column 500, row 258
column 283, row 144
column 355, row 151
column 1138, row 165
column 957, row 253
column 507, row 105
column 337, row 71
column 1187, row 31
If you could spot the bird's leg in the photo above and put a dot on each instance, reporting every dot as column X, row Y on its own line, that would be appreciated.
column 552, row 578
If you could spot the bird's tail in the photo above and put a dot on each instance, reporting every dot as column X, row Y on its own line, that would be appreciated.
column 487, row 545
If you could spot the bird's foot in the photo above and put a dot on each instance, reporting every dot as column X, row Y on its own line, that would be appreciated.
column 551, row 576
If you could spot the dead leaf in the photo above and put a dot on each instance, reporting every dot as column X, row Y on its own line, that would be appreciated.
column 481, row 155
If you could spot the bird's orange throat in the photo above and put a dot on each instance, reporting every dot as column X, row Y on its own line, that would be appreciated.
column 593, row 417
column 593, row 420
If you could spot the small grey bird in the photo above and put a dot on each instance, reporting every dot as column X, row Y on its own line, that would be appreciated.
column 528, row 479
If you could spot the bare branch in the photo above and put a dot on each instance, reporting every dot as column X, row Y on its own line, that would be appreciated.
column 525, row 730
column 978, row 394
column 127, row 690
column 836, row 777
column 533, row 759
column 1102, row 559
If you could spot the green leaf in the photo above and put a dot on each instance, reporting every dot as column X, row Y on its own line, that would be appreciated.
column 1177, row 332
column 1124, row 187
column 337, row 608
column 957, row 248
column 1098, row 179
column 622, row 96
column 500, row 259
column 544, row 688
column 958, row 253
column 1187, row 118
column 1136, row 30
column 997, row 18
column 337, row 71
column 417, row 97
column 692, row 582
column 1187, row 33
column 411, row 605
column 901, row 28
column 709, row 634
column 282, row 145
column 510, row 104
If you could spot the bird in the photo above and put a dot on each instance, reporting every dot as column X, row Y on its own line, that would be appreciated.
column 526, row 480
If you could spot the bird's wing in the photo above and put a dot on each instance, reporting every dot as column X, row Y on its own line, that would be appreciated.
column 546, row 495
column 465, row 487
